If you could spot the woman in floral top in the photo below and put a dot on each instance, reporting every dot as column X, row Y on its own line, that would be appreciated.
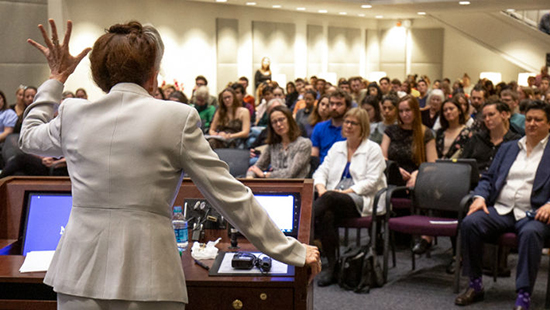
column 453, row 134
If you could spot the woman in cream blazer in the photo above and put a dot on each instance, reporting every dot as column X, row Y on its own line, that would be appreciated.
column 126, row 154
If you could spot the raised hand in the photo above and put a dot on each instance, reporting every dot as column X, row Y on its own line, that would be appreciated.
column 62, row 64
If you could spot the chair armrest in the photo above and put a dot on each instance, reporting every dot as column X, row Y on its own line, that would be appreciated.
column 391, row 191
column 464, row 205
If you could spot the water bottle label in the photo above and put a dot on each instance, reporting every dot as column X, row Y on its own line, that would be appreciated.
column 181, row 235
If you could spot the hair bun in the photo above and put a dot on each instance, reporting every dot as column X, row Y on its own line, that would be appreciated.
column 131, row 27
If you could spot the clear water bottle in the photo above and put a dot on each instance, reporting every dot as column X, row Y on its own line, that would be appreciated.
column 180, row 228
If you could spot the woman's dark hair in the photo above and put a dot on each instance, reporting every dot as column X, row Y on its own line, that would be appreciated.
column 375, row 103
column 378, row 93
column 5, row 103
column 126, row 53
column 179, row 96
column 461, row 115
column 161, row 93
column 293, row 129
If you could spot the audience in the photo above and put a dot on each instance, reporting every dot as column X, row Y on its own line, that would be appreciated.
column 430, row 115
column 8, row 119
column 206, row 111
column 302, row 116
column 389, row 117
column 347, row 180
column 287, row 153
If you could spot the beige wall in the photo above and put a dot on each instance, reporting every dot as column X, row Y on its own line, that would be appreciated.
column 19, row 62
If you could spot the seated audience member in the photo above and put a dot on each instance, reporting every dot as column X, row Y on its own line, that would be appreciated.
column 8, row 119
column 320, row 87
column 279, row 93
column 266, row 96
column 28, row 98
column 347, row 181
column 287, row 153
column 409, row 144
column 430, row 115
column 453, row 134
column 371, row 104
column 19, row 105
column 517, row 120
column 167, row 90
column 159, row 94
column 321, row 113
column 344, row 85
column 81, row 93
column 389, row 117
column 231, row 123
column 385, row 86
column 178, row 96
column 206, row 111
column 544, row 86
column 422, row 87
column 517, row 183
column 243, row 80
column 464, row 103
column 326, row 133
column 484, row 144
column 67, row 94
column 201, row 81
column 291, row 94
column 239, row 92
column 358, row 91
column 27, row 164
column 302, row 116
column 396, row 85
column 300, row 104
column 374, row 90
column 525, row 92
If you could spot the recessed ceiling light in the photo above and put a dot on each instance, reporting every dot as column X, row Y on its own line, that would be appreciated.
column 361, row 15
column 221, row 0
column 277, row 6
column 251, row 3
column 421, row 13
column 301, row 9
column 464, row 2
column 343, row 13
column 366, row 6
column 323, row 11
column 379, row 16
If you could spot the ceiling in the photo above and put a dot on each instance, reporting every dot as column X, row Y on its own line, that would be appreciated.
column 391, row 9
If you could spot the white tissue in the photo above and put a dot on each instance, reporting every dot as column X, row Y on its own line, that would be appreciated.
column 200, row 251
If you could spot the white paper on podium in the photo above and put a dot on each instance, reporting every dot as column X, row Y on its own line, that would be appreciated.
column 37, row 261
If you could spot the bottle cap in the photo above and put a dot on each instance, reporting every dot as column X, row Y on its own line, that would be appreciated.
column 177, row 209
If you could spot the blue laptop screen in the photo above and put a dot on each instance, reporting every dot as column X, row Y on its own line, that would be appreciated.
column 47, row 216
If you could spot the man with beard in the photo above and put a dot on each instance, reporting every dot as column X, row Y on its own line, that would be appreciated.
column 328, row 132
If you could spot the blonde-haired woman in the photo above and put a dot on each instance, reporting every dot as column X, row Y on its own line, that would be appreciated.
column 347, row 181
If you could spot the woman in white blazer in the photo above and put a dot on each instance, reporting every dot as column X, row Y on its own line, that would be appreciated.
column 347, row 181
column 126, row 154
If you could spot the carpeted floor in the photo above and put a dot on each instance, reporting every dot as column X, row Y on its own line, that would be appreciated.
column 428, row 287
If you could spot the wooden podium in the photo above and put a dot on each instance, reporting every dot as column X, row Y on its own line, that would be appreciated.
column 26, row 291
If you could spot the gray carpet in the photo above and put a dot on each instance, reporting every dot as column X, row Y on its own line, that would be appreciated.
column 428, row 287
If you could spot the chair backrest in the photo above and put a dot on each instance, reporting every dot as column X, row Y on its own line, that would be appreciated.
column 474, row 175
column 236, row 159
column 10, row 147
column 441, row 186
column 314, row 162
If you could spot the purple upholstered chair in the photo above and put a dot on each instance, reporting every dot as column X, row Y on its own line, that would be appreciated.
column 439, row 187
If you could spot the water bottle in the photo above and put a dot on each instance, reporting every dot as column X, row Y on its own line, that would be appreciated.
column 180, row 228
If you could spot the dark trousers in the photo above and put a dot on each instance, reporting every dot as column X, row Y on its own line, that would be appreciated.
column 328, row 210
column 479, row 227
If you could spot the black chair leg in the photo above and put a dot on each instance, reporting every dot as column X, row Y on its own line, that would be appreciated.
column 358, row 237
column 346, row 236
column 547, row 302
column 458, row 264
column 495, row 263
column 413, row 256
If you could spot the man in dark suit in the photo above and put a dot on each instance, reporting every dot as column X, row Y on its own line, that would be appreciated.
column 514, row 196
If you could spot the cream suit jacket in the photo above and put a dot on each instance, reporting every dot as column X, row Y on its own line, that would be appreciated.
column 126, row 154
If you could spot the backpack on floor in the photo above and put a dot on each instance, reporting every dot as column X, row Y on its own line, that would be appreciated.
column 359, row 270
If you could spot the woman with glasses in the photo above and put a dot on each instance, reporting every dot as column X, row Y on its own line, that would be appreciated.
column 347, row 180
column 287, row 153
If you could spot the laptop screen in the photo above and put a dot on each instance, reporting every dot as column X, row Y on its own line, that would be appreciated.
column 47, row 216
column 284, row 210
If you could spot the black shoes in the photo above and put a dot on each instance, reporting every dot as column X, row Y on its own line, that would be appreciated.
column 326, row 277
column 469, row 297
column 421, row 247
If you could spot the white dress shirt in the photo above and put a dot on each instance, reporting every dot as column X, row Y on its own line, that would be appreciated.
column 516, row 193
